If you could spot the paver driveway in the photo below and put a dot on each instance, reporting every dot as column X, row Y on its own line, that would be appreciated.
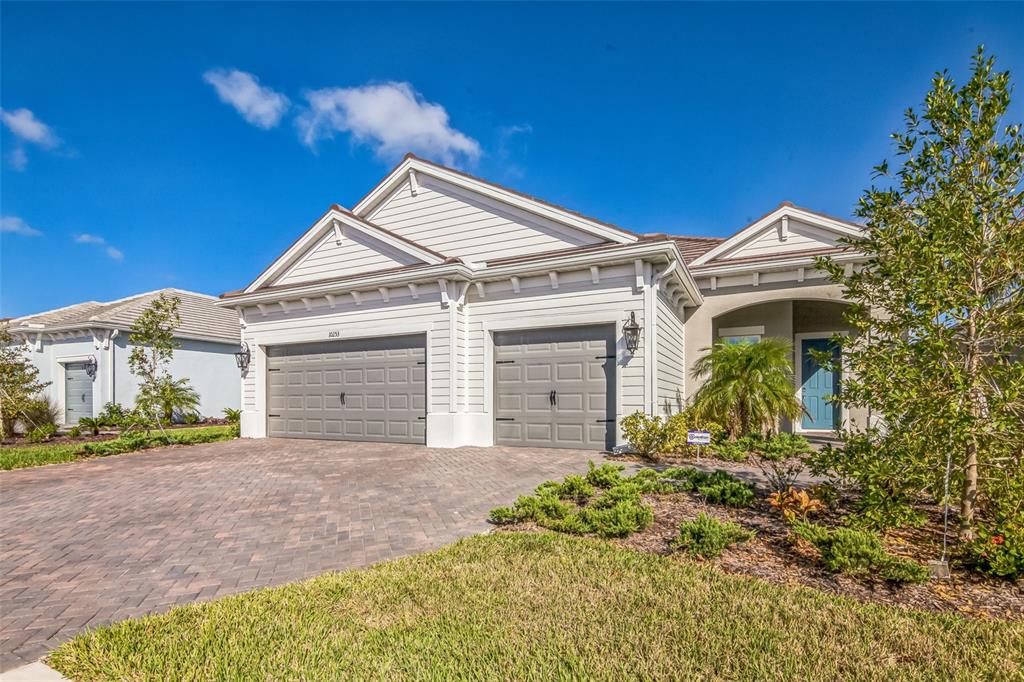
column 89, row 543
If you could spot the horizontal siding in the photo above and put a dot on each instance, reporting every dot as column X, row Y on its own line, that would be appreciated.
column 449, row 221
column 671, row 363
column 373, row 314
column 356, row 254
column 538, row 303
column 801, row 238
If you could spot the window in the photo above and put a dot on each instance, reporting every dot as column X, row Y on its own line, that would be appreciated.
column 753, row 338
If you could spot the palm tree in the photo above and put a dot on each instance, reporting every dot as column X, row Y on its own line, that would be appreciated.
column 176, row 396
column 749, row 384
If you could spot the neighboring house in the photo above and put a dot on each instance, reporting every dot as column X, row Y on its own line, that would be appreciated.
column 449, row 310
column 82, row 350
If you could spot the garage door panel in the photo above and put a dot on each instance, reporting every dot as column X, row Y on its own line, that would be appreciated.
column 383, row 382
column 573, row 362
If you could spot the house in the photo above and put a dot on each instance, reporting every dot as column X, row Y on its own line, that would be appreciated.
column 445, row 309
column 82, row 350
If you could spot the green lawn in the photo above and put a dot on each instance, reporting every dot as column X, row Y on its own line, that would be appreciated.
column 542, row 606
column 23, row 456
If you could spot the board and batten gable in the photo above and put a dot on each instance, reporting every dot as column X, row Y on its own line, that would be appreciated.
column 455, row 222
column 355, row 253
column 774, row 241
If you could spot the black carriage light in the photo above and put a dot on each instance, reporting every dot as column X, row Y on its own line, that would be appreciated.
column 243, row 356
column 631, row 333
column 90, row 366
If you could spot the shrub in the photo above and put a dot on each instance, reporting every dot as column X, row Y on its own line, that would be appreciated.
column 41, row 433
column 604, row 476
column 41, row 411
column 232, row 415
column 707, row 537
column 793, row 503
column 93, row 424
column 729, row 451
column 74, row 432
column 112, row 414
column 883, row 473
column 645, row 434
column 998, row 552
column 859, row 553
column 729, row 493
column 191, row 418
column 624, row 517
column 785, row 446
column 575, row 487
column 504, row 515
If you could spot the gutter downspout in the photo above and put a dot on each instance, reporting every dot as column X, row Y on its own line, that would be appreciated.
column 110, row 360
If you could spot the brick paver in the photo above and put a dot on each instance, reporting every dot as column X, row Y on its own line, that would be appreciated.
column 90, row 543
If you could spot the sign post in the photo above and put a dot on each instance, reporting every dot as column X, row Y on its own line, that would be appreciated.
column 698, row 438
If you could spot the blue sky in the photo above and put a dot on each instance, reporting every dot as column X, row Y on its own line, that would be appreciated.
column 187, row 145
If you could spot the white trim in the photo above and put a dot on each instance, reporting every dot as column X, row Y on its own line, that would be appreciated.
column 329, row 221
column 754, row 229
column 399, row 176
column 59, row 373
column 798, row 365
column 755, row 330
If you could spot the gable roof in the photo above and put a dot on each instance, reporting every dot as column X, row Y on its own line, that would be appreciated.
column 200, row 318
column 326, row 222
column 837, row 226
column 414, row 164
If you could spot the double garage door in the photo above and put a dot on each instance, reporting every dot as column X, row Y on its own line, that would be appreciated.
column 555, row 388
column 552, row 388
column 365, row 389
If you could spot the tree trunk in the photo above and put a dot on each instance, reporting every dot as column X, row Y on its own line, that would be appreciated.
column 970, row 493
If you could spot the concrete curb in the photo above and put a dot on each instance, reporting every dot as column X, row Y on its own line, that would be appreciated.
column 33, row 672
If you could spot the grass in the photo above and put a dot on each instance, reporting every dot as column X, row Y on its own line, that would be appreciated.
column 542, row 606
column 19, row 457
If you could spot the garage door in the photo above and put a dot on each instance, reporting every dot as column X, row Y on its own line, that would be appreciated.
column 555, row 387
column 365, row 389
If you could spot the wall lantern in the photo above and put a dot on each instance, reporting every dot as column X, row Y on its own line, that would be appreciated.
column 243, row 356
column 631, row 333
column 90, row 366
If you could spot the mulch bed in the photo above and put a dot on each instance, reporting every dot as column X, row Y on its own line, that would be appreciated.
column 64, row 439
column 773, row 556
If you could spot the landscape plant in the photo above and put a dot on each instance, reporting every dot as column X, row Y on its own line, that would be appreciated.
column 749, row 384
column 706, row 537
column 938, row 308
column 19, row 382
column 858, row 553
column 153, row 344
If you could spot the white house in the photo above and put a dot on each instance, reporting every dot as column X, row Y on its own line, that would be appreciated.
column 449, row 310
column 82, row 350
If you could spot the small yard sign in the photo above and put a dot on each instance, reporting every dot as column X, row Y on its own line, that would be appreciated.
column 698, row 438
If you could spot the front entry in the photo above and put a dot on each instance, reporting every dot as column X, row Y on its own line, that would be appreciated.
column 77, row 392
column 555, row 388
column 817, row 385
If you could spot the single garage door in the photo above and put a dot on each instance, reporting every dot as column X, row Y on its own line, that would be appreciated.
column 364, row 389
column 555, row 387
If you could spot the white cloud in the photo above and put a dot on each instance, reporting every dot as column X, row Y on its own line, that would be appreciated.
column 112, row 252
column 390, row 117
column 18, row 158
column 257, row 104
column 15, row 225
column 24, row 124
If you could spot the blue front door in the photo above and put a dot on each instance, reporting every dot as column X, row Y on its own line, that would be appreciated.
column 818, row 386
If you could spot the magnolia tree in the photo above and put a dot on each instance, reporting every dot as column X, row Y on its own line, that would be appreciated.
column 152, row 338
column 19, row 382
column 938, row 306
